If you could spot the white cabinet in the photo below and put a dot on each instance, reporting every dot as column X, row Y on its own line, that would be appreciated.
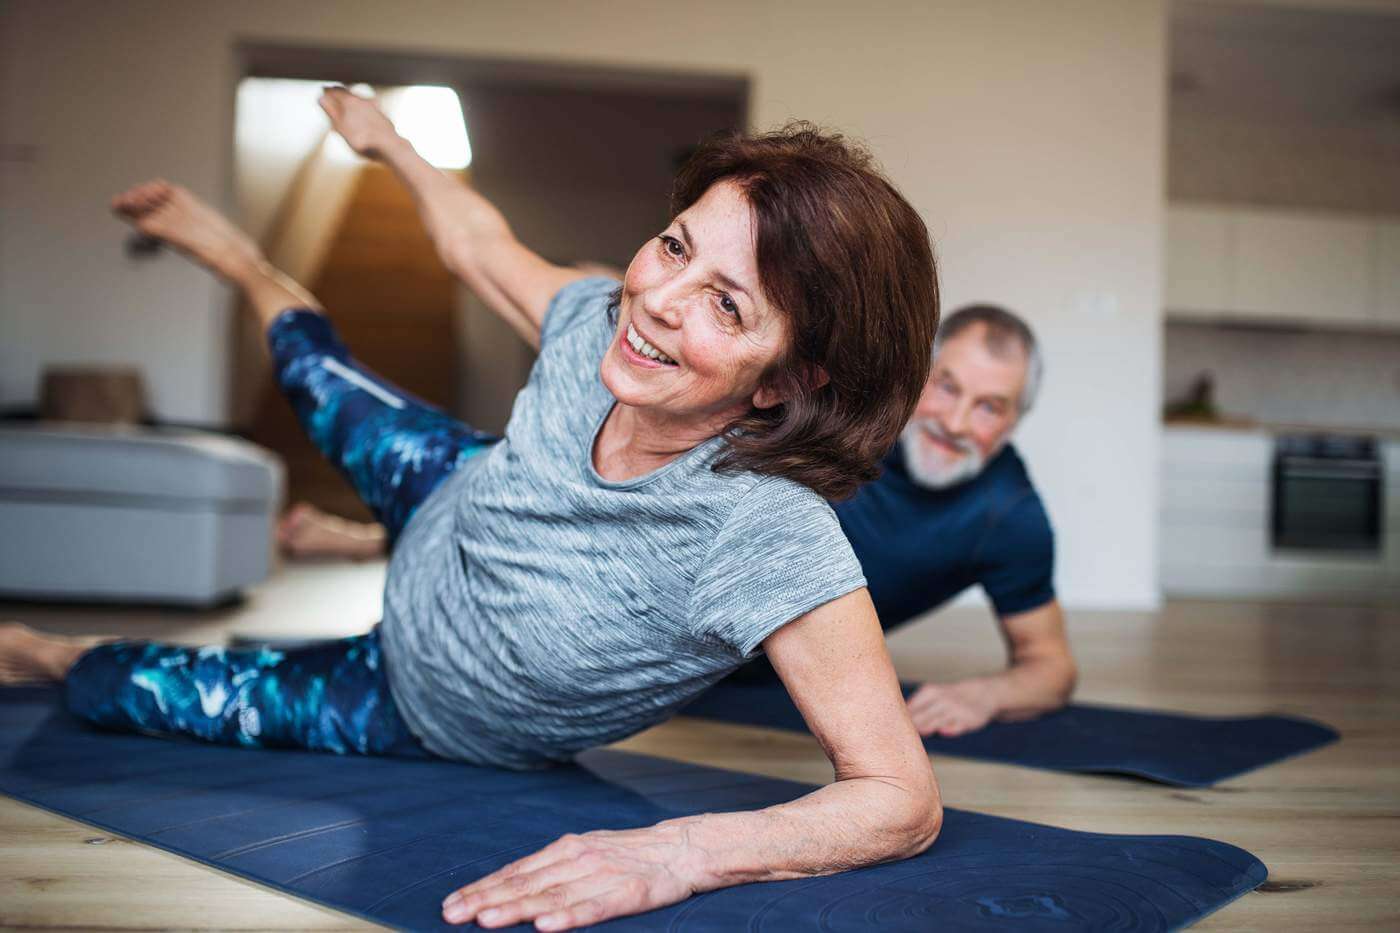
column 1214, row 527
column 1301, row 265
column 1385, row 273
column 1285, row 266
column 1198, row 259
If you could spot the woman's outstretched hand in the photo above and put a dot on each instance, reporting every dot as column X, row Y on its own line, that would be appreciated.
column 583, row 879
column 363, row 125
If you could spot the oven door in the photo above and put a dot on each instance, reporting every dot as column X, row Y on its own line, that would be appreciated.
column 1325, row 504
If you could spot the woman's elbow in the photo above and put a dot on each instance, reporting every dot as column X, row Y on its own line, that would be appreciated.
column 922, row 830
column 923, row 819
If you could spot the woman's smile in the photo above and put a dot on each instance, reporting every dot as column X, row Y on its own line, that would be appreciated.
column 639, row 351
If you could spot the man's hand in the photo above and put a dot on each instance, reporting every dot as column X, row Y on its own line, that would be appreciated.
column 952, row 709
column 363, row 125
column 1039, row 679
column 584, row 879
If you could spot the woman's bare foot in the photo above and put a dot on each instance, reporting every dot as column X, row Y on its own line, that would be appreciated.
column 28, row 657
column 306, row 531
column 172, row 214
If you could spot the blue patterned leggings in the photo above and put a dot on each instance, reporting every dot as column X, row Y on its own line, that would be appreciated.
column 332, row 697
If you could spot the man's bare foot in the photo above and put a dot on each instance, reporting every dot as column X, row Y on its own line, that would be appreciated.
column 172, row 214
column 306, row 531
column 28, row 657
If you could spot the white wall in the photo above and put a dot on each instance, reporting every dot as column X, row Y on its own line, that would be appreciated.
column 1029, row 134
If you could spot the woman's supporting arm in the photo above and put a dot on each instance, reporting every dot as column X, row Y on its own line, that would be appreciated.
column 471, row 236
column 883, row 804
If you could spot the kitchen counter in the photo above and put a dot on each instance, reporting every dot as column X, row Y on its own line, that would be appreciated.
column 1271, row 428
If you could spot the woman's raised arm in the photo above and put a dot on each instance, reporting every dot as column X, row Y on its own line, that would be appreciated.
column 471, row 236
column 883, row 805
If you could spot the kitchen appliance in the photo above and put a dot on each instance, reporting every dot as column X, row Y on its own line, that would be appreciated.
column 1328, row 493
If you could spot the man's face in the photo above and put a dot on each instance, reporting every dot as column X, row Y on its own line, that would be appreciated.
column 968, row 409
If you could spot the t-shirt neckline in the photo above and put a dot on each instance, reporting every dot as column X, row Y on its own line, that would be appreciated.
column 699, row 450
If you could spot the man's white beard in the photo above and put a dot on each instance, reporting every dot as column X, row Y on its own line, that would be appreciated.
column 927, row 466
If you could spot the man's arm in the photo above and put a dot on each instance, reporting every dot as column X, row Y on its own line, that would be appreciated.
column 1039, row 678
column 471, row 236
column 882, row 805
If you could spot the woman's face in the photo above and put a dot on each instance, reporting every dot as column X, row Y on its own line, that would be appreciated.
column 694, row 331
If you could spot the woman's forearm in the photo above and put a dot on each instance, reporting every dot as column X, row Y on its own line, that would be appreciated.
column 458, row 219
column 845, row 825
column 476, row 244
column 583, row 879
column 471, row 237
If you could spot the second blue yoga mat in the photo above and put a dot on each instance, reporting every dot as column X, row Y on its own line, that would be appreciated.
column 387, row 839
column 1170, row 748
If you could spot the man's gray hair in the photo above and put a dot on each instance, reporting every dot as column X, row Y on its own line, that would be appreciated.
column 1005, row 331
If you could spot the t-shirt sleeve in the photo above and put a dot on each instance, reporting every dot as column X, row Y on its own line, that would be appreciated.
column 1016, row 562
column 575, row 303
column 780, row 555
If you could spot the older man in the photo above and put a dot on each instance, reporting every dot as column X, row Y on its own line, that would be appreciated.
column 954, row 508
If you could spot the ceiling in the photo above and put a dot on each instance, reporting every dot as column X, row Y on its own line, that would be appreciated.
column 1275, row 64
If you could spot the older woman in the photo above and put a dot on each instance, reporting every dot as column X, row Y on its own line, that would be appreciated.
column 653, row 517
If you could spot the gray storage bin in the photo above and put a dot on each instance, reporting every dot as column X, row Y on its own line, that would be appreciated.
column 133, row 514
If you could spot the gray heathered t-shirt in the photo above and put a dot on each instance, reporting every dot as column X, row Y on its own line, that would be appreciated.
column 534, row 609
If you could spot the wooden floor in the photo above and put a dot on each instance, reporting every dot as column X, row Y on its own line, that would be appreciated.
column 1327, row 824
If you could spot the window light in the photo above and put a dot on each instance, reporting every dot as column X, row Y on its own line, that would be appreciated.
column 430, row 118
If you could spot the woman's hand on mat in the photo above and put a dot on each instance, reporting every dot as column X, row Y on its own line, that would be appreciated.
column 363, row 125
column 952, row 709
column 583, row 879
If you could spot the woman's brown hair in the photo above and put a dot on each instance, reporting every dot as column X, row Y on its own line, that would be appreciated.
column 847, row 260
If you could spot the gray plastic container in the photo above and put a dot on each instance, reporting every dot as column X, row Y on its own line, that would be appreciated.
column 133, row 514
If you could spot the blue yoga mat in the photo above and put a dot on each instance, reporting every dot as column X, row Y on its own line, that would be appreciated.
column 1169, row 748
column 387, row 839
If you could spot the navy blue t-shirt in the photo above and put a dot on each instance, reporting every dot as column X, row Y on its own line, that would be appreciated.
column 920, row 547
